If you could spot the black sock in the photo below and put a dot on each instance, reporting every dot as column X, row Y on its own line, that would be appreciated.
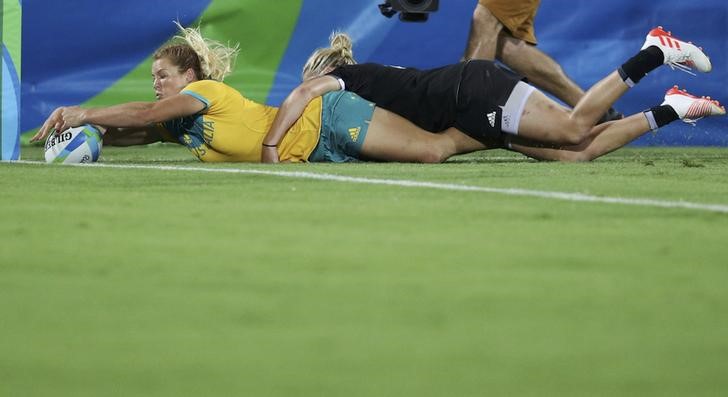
column 660, row 115
column 639, row 65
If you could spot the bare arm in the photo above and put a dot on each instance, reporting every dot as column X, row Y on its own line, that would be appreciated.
column 291, row 110
column 132, row 114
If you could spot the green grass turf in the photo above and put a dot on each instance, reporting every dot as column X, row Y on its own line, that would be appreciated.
column 168, row 283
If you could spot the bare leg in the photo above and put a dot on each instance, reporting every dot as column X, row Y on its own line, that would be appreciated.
column 545, row 120
column 484, row 32
column 599, row 98
column 604, row 138
column 538, row 67
column 391, row 137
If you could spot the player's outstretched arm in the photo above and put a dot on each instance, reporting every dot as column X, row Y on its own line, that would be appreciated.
column 132, row 114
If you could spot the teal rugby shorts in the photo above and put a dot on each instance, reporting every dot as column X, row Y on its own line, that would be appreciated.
column 344, row 123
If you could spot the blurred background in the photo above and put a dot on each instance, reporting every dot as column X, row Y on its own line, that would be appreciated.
column 95, row 52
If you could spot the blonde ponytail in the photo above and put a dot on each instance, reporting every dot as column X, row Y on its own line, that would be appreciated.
column 210, row 59
column 323, row 60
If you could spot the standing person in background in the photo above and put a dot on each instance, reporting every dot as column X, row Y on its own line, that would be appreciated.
column 503, row 30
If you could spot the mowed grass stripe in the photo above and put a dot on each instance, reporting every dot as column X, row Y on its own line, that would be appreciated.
column 555, row 195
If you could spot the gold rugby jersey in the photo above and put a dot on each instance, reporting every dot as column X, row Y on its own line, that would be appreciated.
column 231, row 127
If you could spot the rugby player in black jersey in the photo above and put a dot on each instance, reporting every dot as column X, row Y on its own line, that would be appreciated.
column 494, row 108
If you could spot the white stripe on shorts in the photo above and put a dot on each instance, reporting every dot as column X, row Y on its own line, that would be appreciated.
column 513, row 110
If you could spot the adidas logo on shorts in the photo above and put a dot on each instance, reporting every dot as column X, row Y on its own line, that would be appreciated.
column 354, row 133
column 491, row 119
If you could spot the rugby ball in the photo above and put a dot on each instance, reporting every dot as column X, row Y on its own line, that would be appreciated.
column 74, row 145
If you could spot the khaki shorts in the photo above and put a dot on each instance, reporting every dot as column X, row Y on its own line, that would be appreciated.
column 516, row 15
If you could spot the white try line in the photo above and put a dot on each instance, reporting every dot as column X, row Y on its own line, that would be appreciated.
column 578, row 197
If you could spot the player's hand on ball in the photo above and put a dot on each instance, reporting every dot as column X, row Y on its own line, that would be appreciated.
column 60, row 120
column 73, row 116
column 48, row 126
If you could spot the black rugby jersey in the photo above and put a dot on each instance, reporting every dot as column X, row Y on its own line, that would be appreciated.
column 427, row 98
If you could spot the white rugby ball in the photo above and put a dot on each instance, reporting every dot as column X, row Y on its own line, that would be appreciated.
column 74, row 145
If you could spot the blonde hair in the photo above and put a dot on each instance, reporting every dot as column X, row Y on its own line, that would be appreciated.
column 210, row 59
column 326, row 59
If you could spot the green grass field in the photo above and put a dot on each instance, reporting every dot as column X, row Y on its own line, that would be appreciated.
column 152, row 282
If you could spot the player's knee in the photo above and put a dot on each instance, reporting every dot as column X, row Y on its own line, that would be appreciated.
column 568, row 137
column 575, row 137
column 574, row 131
